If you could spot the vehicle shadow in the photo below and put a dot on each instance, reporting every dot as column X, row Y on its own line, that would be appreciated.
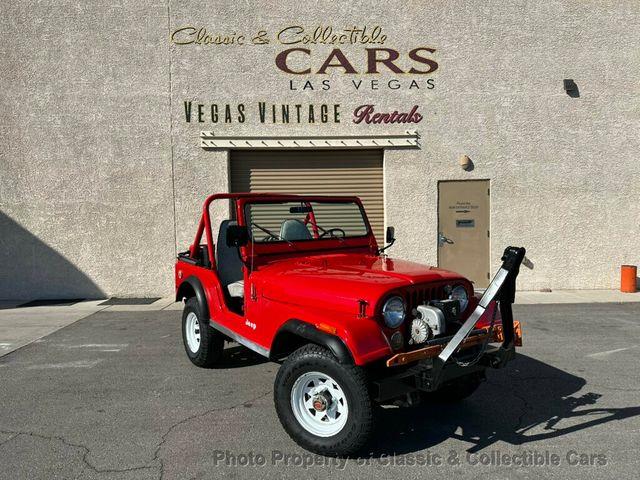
column 526, row 402
column 237, row 356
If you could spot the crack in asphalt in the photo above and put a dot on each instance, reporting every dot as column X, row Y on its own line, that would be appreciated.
column 13, row 435
column 84, row 448
column 156, row 455
column 163, row 438
column 524, row 408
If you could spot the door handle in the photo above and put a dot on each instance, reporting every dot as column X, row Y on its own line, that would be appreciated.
column 442, row 240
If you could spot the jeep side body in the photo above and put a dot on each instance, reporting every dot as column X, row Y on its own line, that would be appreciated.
column 301, row 279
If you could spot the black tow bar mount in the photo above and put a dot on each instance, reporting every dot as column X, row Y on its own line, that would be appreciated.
column 502, row 289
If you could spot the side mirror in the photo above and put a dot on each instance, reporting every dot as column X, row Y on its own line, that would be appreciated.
column 391, row 234
column 237, row 236
column 390, row 238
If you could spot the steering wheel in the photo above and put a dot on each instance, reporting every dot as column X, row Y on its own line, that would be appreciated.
column 332, row 231
column 271, row 238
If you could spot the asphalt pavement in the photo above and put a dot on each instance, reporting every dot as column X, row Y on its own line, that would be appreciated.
column 113, row 396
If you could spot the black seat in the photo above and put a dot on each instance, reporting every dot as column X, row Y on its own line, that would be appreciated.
column 228, row 261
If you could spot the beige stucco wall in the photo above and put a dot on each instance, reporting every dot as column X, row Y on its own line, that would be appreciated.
column 95, row 141
column 85, row 172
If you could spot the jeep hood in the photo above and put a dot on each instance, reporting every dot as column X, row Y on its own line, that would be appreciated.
column 339, row 281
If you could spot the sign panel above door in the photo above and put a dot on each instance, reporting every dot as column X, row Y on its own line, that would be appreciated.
column 409, row 139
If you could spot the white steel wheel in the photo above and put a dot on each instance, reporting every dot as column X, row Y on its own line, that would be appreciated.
column 192, row 332
column 319, row 404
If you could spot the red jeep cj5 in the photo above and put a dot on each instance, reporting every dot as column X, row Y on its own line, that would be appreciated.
column 302, row 279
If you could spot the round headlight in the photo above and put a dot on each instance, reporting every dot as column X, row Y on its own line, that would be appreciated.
column 460, row 293
column 393, row 312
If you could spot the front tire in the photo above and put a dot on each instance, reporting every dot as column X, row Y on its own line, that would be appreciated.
column 204, row 344
column 322, row 404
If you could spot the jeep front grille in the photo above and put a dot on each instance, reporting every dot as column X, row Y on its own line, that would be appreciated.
column 421, row 294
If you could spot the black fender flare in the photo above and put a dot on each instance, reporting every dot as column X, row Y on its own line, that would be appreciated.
column 307, row 331
column 201, row 298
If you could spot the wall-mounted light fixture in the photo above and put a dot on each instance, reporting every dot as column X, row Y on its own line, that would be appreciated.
column 571, row 88
column 466, row 163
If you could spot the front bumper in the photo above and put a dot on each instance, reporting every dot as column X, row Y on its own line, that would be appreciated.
column 435, row 347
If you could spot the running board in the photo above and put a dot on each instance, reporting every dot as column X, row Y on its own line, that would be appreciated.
column 240, row 339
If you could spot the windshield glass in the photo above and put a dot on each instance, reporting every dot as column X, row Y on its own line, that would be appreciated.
column 304, row 221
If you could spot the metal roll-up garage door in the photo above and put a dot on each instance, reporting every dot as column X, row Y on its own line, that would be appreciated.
column 322, row 172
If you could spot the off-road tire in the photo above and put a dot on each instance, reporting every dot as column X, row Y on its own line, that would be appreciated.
column 352, row 380
column 457, row 390
column 211, row 340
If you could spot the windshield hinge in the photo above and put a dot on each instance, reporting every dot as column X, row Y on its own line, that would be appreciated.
column 362, row 308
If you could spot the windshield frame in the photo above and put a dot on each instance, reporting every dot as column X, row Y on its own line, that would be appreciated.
column 316, row 228
column 366, row 241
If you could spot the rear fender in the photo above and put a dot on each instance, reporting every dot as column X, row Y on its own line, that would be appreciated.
column 204, row 284
column 192, row 286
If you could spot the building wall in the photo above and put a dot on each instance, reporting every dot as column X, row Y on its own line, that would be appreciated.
column 85, row 184
column 102, row 179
